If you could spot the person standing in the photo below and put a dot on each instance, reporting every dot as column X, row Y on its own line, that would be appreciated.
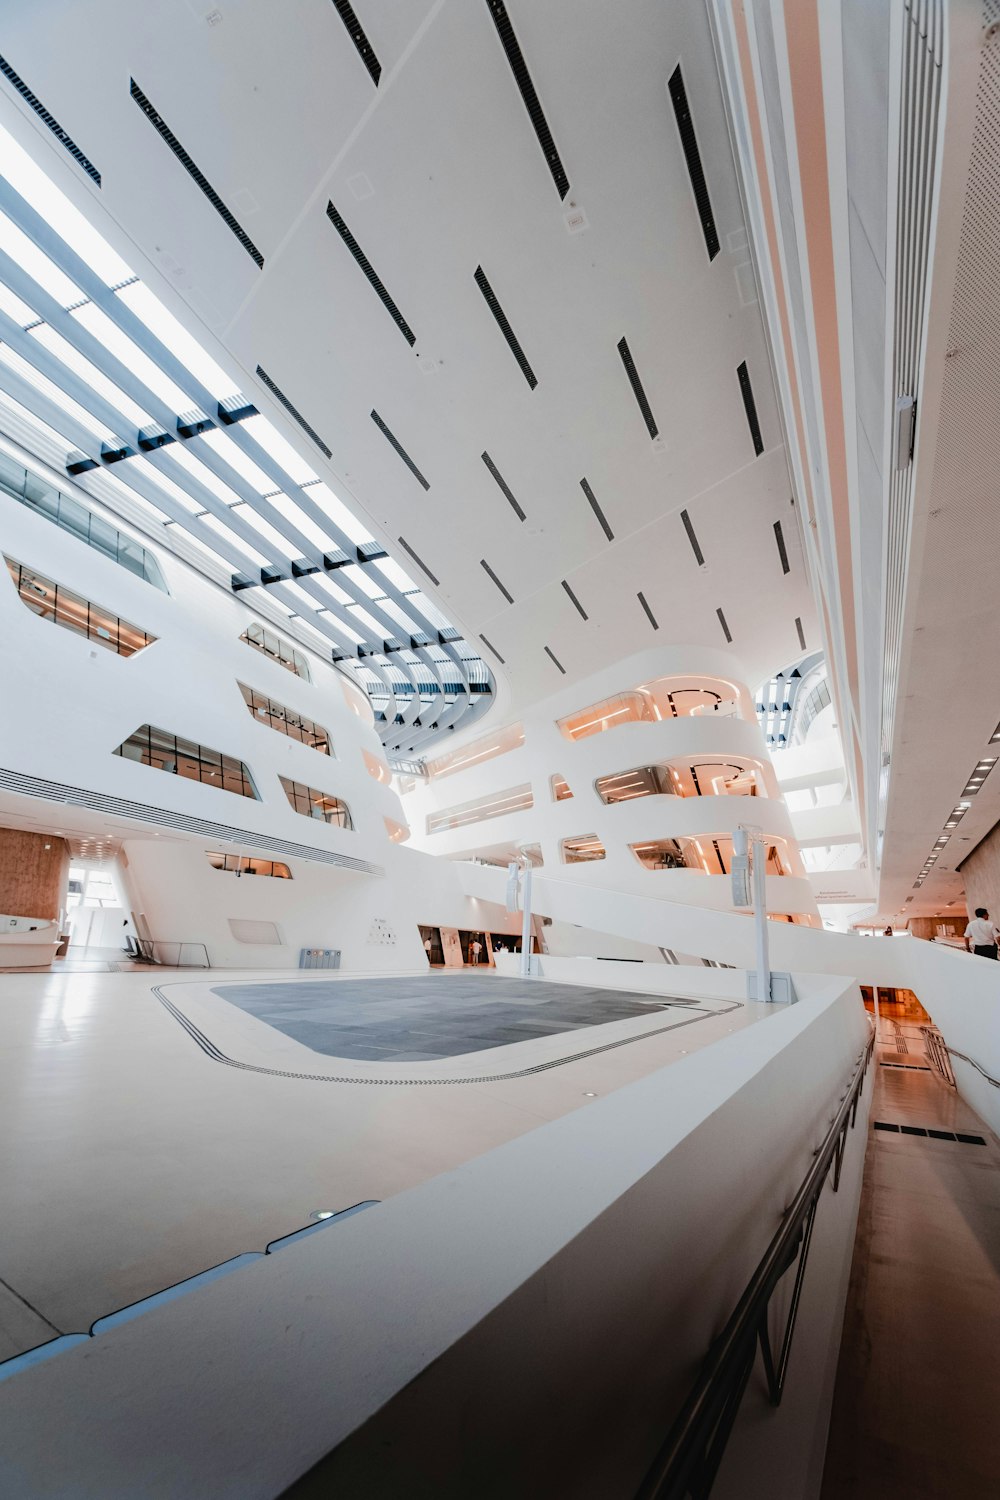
column 477, row 948
column 981, row 935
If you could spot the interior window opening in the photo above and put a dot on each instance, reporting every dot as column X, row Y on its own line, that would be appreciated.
column 496, row 805
column 311, row 803
column 249, row 864
column 163, row 751
column 272, row 645
column 287, row 721
column 712, row 854
column 560, row 789
column 60, row 605
column 582, row 848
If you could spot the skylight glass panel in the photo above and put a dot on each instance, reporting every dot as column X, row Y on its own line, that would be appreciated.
column 399, row 579
column 132, row 412
column 21, row 313
column 170, row 486
column 245, row 467
column 36, row 263
column 360, row 579
column 233, row 544
column 389, row 607
column 327, row 584
column 53, row 206
column 357, row 613
column 280, row 547
column 353, row 529
column 272, row 442
column 131, row 496
column 291, row 512
column 39, row 426
column 58, row 397
column 132, row 357
column 181, row 454
column 176, row 338
column 429, row 610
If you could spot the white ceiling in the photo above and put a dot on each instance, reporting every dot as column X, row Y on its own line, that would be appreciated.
column 437, row 171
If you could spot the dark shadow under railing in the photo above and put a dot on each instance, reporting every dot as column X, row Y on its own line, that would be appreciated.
column 169, row 955
column 686, row 1466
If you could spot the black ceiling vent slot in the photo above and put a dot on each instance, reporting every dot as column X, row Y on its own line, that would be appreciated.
column 369, row 271
column 779, row 537
column 598, row 512
column 699, row 555
column 36, row 104
column 696, row 172
column 750, row 406
column 292, row 411
column 649, row 613
column 522, row 78
column 408, row 461
column 164, row 130
column 554, row 658
column 637, row 390
column 504, row 326
column 490, row 573
column 801, row 633
column 503, row 486
column 582, row 612
column 356, row 31
column 419, row 562
column 496, row 653
column 725, row 627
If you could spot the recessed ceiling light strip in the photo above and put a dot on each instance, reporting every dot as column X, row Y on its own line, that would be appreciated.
column 356, row 32
column 504, row 488
column 637, row 388
column 504, row 325
column 408, row 461
column 374, row 280
column 163, row 129
column 522, row 78
column 696, row 172
column 36, row 104
column 598, row 512
column 750, row 407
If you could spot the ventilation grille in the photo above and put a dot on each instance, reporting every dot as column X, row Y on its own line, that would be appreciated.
column 356, row 32
column 161, row 126
column 649, row 613
column 490, row 646
column 408, row 461
column 779, row 537
column 74, row 796
column 36, row 104
column 504, row 326
column 575, row 601
column 419, row 562
column 725, row 627
column 937, row 1135
column 503, row 487
column 490, row 574
column 598, row 512
column 800, row 632
column 374, row 281
column 696, row 172
column 522, row 78
column 637, row 390
column 293, row 411
column 553, row 658
column 750, row 407
column 695, row 548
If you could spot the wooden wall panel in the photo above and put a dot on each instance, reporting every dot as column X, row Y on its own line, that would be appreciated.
column 981, row 873
column 34, row 873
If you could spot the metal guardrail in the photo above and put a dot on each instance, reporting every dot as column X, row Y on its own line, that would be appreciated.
column 937, row 1055
column 686, row 1466
column 169, row 955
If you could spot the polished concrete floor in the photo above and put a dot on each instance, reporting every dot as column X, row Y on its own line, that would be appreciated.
column 403, row 1020
column 132, row 1158
column 915, row 1409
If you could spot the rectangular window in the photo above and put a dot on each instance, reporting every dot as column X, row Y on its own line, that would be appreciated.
column 53, row 601
column 180, row 757
column 285, row 720
column 581, row 849
column 277, row 649
column 67, row 513
column 476, row 753
column 314, row 804
column 496, row 805
column 248, row 864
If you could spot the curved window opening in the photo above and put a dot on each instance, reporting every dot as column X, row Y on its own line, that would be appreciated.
column 311, row 803
column 496, row 805
column 286, row 721
column 624, row 708
column 712, row 854
column 271, row 644
column 581, row 849
column 249, row 864
column 709, row 778
column 560, row 789
column 398, row 832
column 376, row 768
column 685, row 697
column 54, row 602
column 477, row 752
column 162, row 751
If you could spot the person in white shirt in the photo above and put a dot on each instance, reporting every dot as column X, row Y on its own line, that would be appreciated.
column 981, row 935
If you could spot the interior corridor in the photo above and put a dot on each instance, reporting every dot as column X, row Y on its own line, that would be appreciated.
column 914, row 1414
